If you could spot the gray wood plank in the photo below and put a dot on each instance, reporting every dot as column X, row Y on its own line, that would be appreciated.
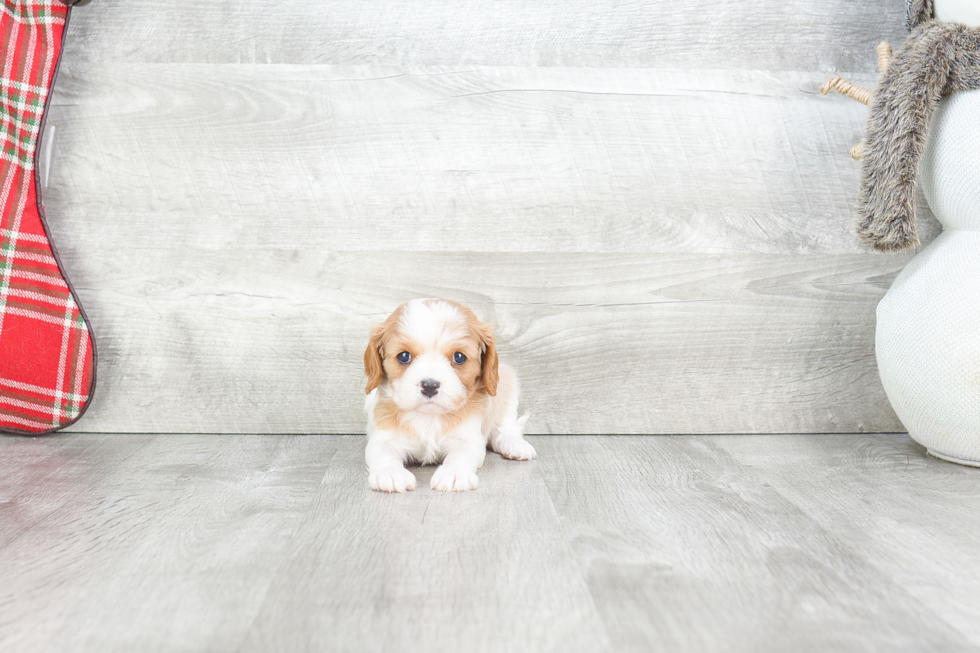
column 452, row 159
column 164, row 548
column 773, row 35
column 648, row 198
column 479, row 571
column 698, row 543
column 40, row 474
column 914, row 518
column 228, row 341
column 684, row 549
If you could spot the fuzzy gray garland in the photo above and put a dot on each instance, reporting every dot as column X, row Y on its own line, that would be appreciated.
column 938, row 58
column 917, row 12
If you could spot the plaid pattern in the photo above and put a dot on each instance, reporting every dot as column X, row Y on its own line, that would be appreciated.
column 46, row 351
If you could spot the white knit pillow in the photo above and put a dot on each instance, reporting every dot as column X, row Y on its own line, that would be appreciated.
column 928, row 334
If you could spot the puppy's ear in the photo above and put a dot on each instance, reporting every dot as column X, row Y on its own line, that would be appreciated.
column 373, row 363
column 489, row 366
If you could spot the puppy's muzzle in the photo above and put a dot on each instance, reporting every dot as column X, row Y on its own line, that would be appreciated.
column 430, row 387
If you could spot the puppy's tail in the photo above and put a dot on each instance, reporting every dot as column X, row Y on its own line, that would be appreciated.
column 511, row 429
column 522, row 420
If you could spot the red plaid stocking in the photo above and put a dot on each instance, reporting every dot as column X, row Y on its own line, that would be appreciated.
column 47, row 355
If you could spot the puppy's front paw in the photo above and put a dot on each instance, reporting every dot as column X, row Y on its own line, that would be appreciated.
column 453, row 479
column 516, row 449
column 392, row 479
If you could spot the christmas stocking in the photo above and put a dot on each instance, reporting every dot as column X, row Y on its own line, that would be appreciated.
column 47, row 355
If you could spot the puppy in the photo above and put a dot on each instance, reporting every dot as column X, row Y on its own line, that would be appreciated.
column 436, row 392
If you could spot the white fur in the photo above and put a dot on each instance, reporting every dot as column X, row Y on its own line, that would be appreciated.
column 432, row 322
column 430, row 365
column 430, row 325
column 424, row 438
column 509, row 442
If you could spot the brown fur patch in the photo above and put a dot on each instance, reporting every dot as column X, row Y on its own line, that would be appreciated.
column 483, row 333
column 373, row 360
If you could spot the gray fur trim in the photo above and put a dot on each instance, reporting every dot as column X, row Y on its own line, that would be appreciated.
column 917, row 12
column 938, row 58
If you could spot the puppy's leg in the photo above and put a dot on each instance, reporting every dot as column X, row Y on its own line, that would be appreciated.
column 386, row 464
column 508, row 440
column 506, row 428
column 465, row 451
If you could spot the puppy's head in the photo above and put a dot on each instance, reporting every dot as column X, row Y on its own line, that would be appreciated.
column 434, row 353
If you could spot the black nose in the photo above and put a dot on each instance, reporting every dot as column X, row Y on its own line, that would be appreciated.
column 430, row 388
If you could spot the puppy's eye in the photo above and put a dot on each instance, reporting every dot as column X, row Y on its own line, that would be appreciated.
column 404, row 358
column 459, row 358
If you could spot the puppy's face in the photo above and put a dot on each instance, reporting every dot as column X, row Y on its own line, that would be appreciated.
column 434, row 353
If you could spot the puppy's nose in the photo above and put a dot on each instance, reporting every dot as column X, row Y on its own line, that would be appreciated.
column 430, row 387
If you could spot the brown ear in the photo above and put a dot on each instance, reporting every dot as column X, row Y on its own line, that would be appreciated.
column 490, row 365
column 373, row 363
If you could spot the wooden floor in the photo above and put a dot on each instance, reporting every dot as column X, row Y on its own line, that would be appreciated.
column 693, row 543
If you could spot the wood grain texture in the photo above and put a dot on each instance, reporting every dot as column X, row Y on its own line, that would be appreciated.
column 162, row 538
column 915, row 519
column 659, row 523
column 651, row 200
column 479, row 571
column 773, row 35
column 693, row 543
column 39, row 475
column 495, row 159
column 227, row 341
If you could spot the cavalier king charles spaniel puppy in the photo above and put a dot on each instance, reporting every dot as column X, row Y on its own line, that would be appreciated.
column 436, row 392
